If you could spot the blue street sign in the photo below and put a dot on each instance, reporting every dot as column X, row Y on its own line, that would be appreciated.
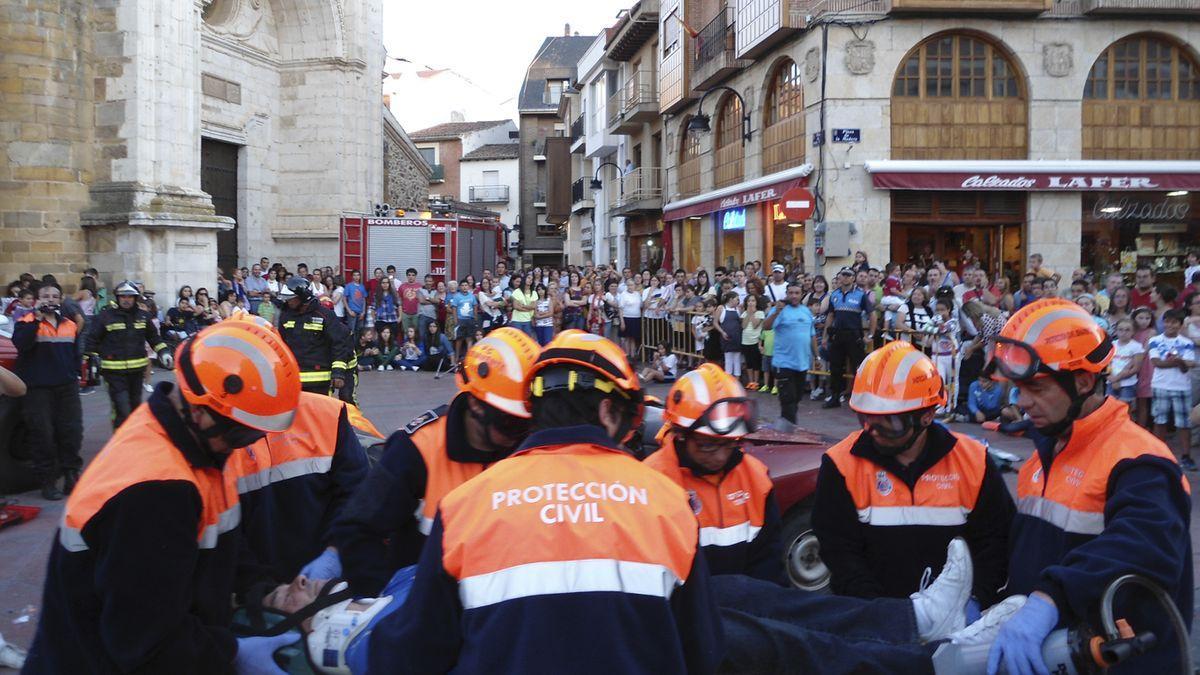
column 819, row 139
column 847, row 135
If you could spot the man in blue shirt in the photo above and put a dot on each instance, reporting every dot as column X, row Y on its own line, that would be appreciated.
column 464, row 303
column 795, row 344
column 256, row 288
column 848, row 305
column 356, row 302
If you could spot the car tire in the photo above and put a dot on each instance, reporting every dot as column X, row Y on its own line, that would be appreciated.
column 801, row 551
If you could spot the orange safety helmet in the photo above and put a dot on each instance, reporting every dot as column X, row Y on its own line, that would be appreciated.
column 587, row 361
column 239, row 314
column 1051, row 335
column 495, row 368
column 710, row 401
column 240, row 371
column 896, row 378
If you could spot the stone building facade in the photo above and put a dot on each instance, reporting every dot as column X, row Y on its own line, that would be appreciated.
column 154, row 139
column 405, row 173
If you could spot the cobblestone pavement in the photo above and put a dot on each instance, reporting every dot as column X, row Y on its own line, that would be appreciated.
column 390, row 400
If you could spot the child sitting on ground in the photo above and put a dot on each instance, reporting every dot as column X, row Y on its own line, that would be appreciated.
column 411, row 354
column 663, row 368
column 388, row 349
column 368, row 350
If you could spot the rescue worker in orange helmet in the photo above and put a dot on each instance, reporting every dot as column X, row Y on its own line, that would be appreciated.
column 570, row 556
column 891, row 497
column 1100, row 498
column 143, row 565
column 707, row 414
column 292, row 486
column 384, row 525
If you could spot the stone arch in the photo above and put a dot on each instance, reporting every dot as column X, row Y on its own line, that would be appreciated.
column 934, row 117
column 783, row 123
column 309, row 29
column 1141, row 100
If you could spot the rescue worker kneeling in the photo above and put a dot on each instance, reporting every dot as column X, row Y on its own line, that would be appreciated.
column 1101, row 497
column 142, row 570
column 707, row 414
column 383, row 526
column 892, row 496
column 293, row 485
column 568, row 557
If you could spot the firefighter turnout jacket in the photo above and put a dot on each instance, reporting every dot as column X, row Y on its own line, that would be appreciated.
column 384, row 525
column 142, row 569
column 292, row 485
column 740, row 531
column 320, row 341
column 1112, row 502
column 119, row 337
column 882, row 524
column 568, row 557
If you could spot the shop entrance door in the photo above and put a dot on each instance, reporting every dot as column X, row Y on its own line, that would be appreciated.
column 955, row 226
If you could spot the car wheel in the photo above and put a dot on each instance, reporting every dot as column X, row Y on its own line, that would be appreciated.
column 802, row 551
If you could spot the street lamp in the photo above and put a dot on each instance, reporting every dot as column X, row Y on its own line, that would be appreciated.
column 596, row 184
column 698, row 124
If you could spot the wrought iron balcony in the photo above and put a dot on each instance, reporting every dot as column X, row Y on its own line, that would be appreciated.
column 438, row 174
column 494, row 194
column 715, row 52
column 635, row 104
column 640, row 192
column 577, row 129
column 581, row 196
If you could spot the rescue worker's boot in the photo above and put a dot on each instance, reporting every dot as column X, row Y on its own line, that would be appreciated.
column 70, row 478
column 50, row 490
column 941, row 608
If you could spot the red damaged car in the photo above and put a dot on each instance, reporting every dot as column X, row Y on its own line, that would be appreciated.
column 793, row 459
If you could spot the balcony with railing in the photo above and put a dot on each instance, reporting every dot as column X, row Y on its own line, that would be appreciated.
column 577, row 135
column 488, row 194
column 437, row 173
column 715, row 57
column 581, row 196
column 634, row 104
column 761, row 24
column 639, row 191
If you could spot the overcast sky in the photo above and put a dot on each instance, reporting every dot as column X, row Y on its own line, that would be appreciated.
column 488, row 42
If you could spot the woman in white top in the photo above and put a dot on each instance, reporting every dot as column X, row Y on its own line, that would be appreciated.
column 337, row 293
column 630, row 302
column 914, row 315
column 663, row 368
column 491, row 302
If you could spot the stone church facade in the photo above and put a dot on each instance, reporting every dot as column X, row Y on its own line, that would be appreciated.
column 158, row 139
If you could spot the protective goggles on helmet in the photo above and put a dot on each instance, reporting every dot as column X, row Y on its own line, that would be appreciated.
column 727, row 416
column 1018, row 361
column 893, row 427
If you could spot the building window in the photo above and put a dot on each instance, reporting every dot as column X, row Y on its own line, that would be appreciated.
column 554, row 91
column 730, row 153
column 729, row 121
column 671, row 31
column 429, row 155
column 1141, row 100
column 957, row 66
column 959, row 96
column 783, row 128
column 1143, row 68
column 689, row 161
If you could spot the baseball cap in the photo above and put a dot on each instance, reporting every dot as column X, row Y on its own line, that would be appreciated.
column 776, row 267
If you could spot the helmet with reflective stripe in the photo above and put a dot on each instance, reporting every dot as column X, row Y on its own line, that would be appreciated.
column 240, row 371
column 126, row 288
column 575, row 360
column 297, row 286
column 896, row 378
column 1051, row 335
column 495, row 368
column 239, row 314
column 709, row 401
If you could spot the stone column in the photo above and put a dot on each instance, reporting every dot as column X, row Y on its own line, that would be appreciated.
column 1055, row 229
column 46, row 91
column 149, row 220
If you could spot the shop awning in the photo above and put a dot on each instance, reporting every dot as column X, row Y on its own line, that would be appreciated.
column 764, row 189
column 1035, row 175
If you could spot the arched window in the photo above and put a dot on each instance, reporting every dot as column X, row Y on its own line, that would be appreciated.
column 729, row 163
column 958, row 96
column 689, row 161
column 1142, row 101
column 783, row 123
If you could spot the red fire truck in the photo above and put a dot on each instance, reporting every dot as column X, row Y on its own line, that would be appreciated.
column 446, row 245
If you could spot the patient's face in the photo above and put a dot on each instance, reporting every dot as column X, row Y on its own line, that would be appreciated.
column 293, row 597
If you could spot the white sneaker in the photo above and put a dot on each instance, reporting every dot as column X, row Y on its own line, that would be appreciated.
column 984, row 631
column 149, row 388
column 389, row 368
column 817, row 393
column 379, row 369
column 941, row 608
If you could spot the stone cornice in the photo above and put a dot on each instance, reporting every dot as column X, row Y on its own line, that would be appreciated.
column 237, row 48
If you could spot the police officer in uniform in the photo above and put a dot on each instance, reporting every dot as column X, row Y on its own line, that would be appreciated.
column 386, row 521
column 118, row 336
column 569, row 556
column 1101, row 497
column 892, row 496
column 848, row 304
column 707, row 416
column 320, row 341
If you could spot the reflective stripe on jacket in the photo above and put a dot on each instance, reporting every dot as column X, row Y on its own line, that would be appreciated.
column 46, row 354
column 120, row 338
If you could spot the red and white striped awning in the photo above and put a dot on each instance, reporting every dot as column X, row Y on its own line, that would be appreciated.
column 1035, row 175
